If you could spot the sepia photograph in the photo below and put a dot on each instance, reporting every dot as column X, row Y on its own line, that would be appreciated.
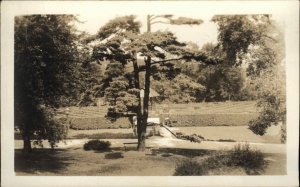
column 150, row 92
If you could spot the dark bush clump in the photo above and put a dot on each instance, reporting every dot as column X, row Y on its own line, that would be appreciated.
column 96, row 145
column 190, row 168
column 251, row 160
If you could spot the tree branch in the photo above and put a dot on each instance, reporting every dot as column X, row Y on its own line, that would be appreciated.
column 269, row 37
column 152, row 17
column 160, row 22
column 168, row 60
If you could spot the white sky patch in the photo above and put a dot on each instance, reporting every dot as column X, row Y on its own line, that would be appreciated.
column 200, row 34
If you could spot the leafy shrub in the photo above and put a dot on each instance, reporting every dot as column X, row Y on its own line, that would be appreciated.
column 96, row 145
column 241, row 156
column 56, row 131
column 249, row 159
column 217, row 160
column 189, row 168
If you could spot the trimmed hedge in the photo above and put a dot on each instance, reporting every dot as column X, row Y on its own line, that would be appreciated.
column 176, row 120
column 98, row 123
column 105, row 135
column 238, row 119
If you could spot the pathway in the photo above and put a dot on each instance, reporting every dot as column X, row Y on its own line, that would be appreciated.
column 169, row 142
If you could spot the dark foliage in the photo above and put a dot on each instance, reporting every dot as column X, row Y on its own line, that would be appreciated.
column 45, row 60
column 190, row 168
column 99, row 123
column 251, row 160
column 241, row 156
column 106, row 136
column 97, row 145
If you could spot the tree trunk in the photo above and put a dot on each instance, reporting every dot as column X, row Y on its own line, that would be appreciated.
column 26, row 144
column 140, row 129
column 142, row 132
column 141, row 136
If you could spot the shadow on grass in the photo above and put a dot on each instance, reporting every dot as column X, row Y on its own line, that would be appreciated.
column 183, row 152
column 41, row 160
column 114, row 155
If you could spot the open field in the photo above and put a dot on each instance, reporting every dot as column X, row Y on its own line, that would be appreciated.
column 116, row 162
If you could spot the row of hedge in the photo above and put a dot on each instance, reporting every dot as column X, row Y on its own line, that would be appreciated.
column 98, row 123
column 211, row 119
column 238, row 119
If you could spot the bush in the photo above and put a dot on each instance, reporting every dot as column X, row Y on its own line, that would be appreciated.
column 96, row 145
column 249, row 159
column 189, row 168
column 241, row 156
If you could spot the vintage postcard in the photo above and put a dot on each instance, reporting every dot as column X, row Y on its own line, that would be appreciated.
column 149, row 93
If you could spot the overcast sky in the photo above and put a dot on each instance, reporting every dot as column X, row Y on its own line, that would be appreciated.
column 200, row 34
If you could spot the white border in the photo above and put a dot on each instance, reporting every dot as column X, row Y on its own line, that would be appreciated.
column 288, row 10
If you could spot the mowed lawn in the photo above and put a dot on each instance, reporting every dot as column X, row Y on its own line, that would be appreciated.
column 116, row 162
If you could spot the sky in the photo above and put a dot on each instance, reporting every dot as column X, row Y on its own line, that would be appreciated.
column 96, row 14
column 200, row 34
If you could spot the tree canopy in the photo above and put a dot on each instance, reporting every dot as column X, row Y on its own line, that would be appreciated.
column 45, row 60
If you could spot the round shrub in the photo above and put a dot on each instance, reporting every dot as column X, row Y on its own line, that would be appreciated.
column 98, row 145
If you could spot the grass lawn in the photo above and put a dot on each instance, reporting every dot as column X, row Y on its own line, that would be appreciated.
column 116, row 162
